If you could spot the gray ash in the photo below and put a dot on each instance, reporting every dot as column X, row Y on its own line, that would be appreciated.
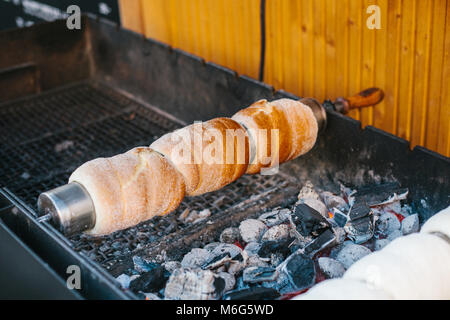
column 282, row 251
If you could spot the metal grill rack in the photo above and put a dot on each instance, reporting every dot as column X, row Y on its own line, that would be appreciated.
column 71, row 126
column 84, row 121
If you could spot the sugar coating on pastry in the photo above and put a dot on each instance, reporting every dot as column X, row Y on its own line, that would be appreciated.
column 296, row 126
column 129, row 188
column 343, row 289
column 410, row 267
column 207, row 154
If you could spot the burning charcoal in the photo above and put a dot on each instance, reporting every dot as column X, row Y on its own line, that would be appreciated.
column 382, row 194
column 256, row 261
column 230, row 280
column 149, row 296
column 278, row 232
column 360, row 230
column 410, row 224
column 235, row 267
column 151, row 281
column 309, row 221
column 276, row 259
column 326, row 239
column 333, row 201
column 252, row 248
column 359, row 210
column 279, row 246
column 195, row 258
column 141, row 266
column 252, row 230
column 170, row 266
column 339, row 218
column 259, row 274
column 275, row 217
column 331, row 268
column 340, row 234
column 381, row 243
column 240, row 284
column 296, row 273
column 124, row 280
column 230, row 235
column 307, row 192
column 222, row 254
column 350, row 253
column 394, row 235
column 255, row 293
column 211, row 246
column 386, row 224
column 317, row 205
column 194, row 284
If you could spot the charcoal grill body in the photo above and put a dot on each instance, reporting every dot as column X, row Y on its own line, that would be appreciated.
column 68, row 96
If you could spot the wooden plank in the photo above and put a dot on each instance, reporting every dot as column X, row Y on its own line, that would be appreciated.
column 307, row 63
column 437, row 60
column 330, row 47
column 421, row 72
column 380, row 118
column 444, row 124
column 355, row 50
column 342, row 48
column 368, row 61
column 131, row 15
column 406, row 69
column 319, row 45
column 154, row 17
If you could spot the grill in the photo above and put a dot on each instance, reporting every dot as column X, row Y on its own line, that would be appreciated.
column 126, row 91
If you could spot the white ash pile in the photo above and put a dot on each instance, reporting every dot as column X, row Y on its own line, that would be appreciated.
column 285, row 251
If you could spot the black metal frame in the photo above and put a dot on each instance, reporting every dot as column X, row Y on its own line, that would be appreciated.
column 185, row 88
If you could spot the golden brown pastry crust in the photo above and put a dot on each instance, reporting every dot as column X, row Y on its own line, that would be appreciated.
column 130, row 188
column 204, row 170
column 297, row 130
column 148, row 181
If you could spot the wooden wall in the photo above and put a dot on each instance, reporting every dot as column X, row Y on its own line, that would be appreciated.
column 323, row 49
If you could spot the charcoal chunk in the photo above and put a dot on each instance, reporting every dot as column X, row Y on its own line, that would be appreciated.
column 230, row 235
column 278, row 232
column 359, row 210
column 275, row 217
column 259, row 274
column 339, row 217
column 326, row 239
column 308, row 221
column 410, row 224
column 299, row 271
column 386, row 224
column 331, row 268
column 252, row 248
column 151, row 281
column 279, row 246
column 194, row 284
column 254, row 293
column 350, row 253
column 252, row 230
column 140, row 265
column 376, row 194
column 360, row 230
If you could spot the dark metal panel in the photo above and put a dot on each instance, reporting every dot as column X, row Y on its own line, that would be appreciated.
column 23, row 275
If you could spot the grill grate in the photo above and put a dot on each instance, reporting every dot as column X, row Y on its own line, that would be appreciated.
column 44, row 138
